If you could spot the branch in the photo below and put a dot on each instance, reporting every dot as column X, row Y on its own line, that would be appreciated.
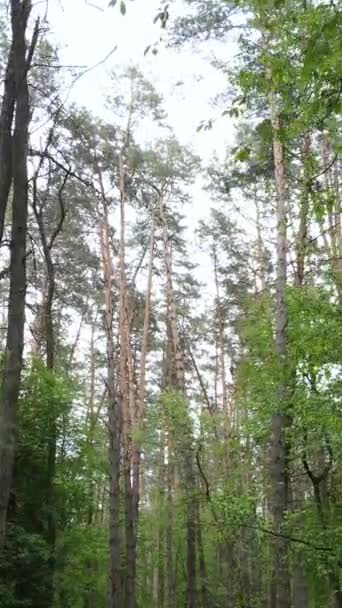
column 60, row 165
column 63, row 212
column 139, row 265
column 33, row 44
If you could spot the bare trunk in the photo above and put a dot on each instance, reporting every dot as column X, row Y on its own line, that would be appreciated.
column 280, row 418
column 140, row 405
column 334, row 217
column 114, row 416
column 6, row 121
column 261, row 250
column 161, row 531
column 220, row 337
column 303, row 213
column 12, row 366
column 206, row 603
column 127, row 399
column 169, row 528
column 187, row 451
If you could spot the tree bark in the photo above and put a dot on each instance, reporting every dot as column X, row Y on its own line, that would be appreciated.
column 12, row 366
column 6, row 121
column 187, row 449
column 170, row 474
column 303, row 214
column 280, row 419
column 114, row 414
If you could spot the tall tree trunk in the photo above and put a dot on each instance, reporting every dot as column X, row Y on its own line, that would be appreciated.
column 127, row 398
column 220, row 337
column 12, row 365
column 280, row 418
column 303, row 213
column 260, row 247
column 114, row 412
column 6, row 121
column 187, row 449
column 170, row 473
column 206, row 603
column 140, row 404
column 49, row 339
column 161, row 530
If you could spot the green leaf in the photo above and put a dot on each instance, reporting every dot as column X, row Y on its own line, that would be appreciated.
column 123, row 7
column 243, row 155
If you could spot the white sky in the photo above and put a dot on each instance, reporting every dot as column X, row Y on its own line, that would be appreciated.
column 87, row 34
column 85, row 31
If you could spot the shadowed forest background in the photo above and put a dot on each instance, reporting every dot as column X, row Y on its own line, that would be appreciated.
column 171, row 328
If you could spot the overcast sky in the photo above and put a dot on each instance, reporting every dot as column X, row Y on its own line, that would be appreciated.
column 87, row 31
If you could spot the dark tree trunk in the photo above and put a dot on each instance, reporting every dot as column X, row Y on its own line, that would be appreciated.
column 6, row 121
column 12, row 365
column 206, row 603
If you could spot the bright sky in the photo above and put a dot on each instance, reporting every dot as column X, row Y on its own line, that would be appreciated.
column 87, row 31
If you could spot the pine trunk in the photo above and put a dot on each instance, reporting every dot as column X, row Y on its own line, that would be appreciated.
column 114, row 413
column 188, row 473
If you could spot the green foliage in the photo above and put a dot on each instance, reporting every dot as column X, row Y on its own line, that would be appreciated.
column 82, row 566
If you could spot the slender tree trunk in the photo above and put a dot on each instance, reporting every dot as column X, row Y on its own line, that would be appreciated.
column 260, row 247
column 127, row 398
column 334, row 218
column 206, row 603
column 6, row 121
column 303, row 213
column 114, row 414
column 170, row 472
column 220, row 335
column 280, row 418
column 219, row 338
column 161, row 530
column 49, row 338
column 187, row 448
column 12, row 365
column 91, row 418
column 140, row 408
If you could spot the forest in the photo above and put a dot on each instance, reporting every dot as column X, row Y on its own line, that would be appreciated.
column 171, row 326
